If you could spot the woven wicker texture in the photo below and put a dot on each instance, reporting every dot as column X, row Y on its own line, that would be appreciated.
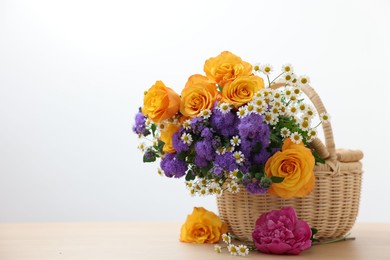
column 331, row 208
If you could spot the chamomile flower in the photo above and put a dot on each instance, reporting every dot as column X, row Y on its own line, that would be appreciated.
column 293, row 110
column 259, row 110
column 325, row 117
column 186, row 138
column 232, row 249
column 277, row 103
column 296, row 91
column 266, row 93
column 233, row 174
column 241, row 113
column 239, row 157
column 282, row 109
column 310, row 111
column 288, row 92
column 303, row 80
column 205, row 113
column 224, row 108
column 187, row 124
column 226, row 238
column 162, row 126
column 304, row 125
column 256, row 68
column 220, row 151
column 218, row 191
column 242, row 250
column 266, row 69
column 268, row 117
column 287, row 78
column 313, row 133
column 296, row 138
column 218, row 249
column 285, row 132
column 275, row 111
column 203, row 182
column 259, row 102
column 210, row 191
column 235, row 141
column 229, row 149
column 142, row 147
column 192, row 192
column 233, row 187
column 250, row 108
column 287, row 68
column 189, row 184
column 293, row 97
column 302, row 107
column 203, row 191
column 277, row 96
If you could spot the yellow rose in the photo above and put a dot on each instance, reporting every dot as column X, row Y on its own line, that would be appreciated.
column 202, row 226
column 296, row 164
column 198, row 94
column 241, row 90
column 226, row 67
column 160, row 102
column 166, row 137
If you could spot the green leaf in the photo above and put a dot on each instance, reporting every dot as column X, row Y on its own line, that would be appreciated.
column 258, row 175
column 317, row 157
column 153, row 128
column 190, row 176
column 239, row 175
column 151, row 159
column 160, row 146
column 276, row 179
column 182, row 156
column 313, row 233
column 220, row 88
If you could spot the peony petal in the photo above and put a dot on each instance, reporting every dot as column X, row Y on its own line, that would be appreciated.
column 279, row 248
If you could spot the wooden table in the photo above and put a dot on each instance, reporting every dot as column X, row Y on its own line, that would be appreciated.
column 152, row 240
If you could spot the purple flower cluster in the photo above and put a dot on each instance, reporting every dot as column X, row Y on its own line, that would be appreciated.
column 139, row 126
column 254, row 135
column 255, row 186
column 177, row 143
column 173, row 166
column 224, row 124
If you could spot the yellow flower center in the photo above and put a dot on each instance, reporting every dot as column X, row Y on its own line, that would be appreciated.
column 303, row 80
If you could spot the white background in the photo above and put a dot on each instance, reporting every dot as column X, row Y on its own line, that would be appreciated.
column 72, row 75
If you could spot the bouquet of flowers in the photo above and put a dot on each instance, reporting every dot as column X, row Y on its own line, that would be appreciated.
column 229, row 129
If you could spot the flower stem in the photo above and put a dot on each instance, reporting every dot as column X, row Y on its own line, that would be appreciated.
column 276, row 78
column 345, row 238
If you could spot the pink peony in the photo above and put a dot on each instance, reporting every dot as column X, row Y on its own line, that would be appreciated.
column 280, row 232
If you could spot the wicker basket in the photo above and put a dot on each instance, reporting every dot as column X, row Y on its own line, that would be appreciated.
column 331, row 208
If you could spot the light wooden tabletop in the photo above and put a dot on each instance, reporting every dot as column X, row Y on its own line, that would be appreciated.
column 152, row 240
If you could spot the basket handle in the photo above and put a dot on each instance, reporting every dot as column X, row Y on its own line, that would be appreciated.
column 326, row 152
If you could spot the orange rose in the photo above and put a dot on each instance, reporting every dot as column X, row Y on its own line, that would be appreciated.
column 226, row 67
column 296, row 164
column 160, row 102
column 198, row 94
column 242, row 90
column 202, row 226
column 166, row 137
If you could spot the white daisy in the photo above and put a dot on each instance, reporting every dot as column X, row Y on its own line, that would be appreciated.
column 189, row 184
column 228, row 149
column 275, row 111
column 268, row 117
column 218, row 249
column 287, row 68
column 239, row 157
column 232, row 249
column 203, row 191
column 233, row 174
column 192, row 192
column 218, row 191
column 293, row 110
column 293, row 97
column 259, row 102
column 285, row 132
column 242, row 250
column 162, row 126
column 287, row 78
column 277, row 96
column 266, row 92
column 259, row 110
column 224, row 107
column 310, row 111
column 296, row 137
column 302, row 107
column 266, row 69
column 303, row 80
column 241, row 113
column 235, row 141
column 325, row 117
column 304, row 125
column 313, row 133
column 297, row 91
column 187, row 124
column 186, row 138
column 256, row 68
column 220, row 151
column 233, row 187
column 142, row 147
column 205, row 113
column 226, row 238
column 250, row 108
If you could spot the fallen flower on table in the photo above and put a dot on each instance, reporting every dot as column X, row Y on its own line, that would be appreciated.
column 202, row 226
